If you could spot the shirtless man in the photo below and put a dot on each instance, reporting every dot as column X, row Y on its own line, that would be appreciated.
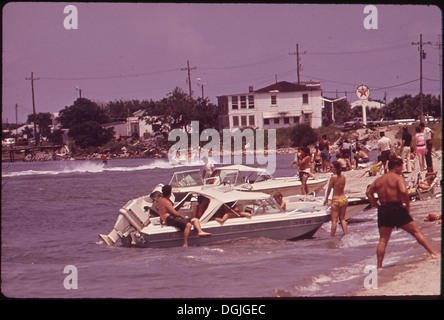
column 339, row 200
column 393, row 209
column 303, row 163
column 171, row 217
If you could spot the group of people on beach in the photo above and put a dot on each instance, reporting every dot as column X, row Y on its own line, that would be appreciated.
column 392, row 196
column 388, row 193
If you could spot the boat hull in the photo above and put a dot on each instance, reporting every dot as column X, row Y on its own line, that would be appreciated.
column 293, row 227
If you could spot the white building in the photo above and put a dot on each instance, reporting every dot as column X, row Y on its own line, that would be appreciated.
column 134, row 126
column 282, row 104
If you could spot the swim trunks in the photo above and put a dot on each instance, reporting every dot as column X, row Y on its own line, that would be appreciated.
column 324, row 154
column 393, row 214
column 385, row 155
column 303, row 176
column 343, row 202
column 176, row 221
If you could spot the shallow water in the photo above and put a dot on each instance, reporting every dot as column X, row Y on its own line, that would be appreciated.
column 52, row 213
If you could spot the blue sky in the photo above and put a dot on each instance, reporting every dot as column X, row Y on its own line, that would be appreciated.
column 138, row 50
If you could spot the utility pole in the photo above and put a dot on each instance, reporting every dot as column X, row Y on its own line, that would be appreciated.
column 202, row 85
column 189, row 74
column 422, row 56
column 33, row 104
column 16, row 121
column 297, row 59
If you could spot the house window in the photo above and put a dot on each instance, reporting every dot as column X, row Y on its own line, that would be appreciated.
column 244, row 121
column 251, row 121
column 250, row 102
column 305, row 98
column 273, row 100
column 296, row 119
column 234, row 102
column 266, row 122
column 235, row 121
column 243, row 102
column 286, row 120
column 276, row 120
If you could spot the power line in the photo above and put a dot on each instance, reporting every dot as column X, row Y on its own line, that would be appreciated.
column 396, row 85
column 119, row 76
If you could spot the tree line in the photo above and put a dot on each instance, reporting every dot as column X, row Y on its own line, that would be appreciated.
column 404, row 107
column 84, row 118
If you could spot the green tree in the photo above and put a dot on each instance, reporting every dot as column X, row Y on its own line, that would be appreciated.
column 302, row 135
column 342, row 109
column 82, row 110
column 84, row 119
column 90, row 134
column 407, row 107
column 43, row 121
column 178, row 110
column 122, row 108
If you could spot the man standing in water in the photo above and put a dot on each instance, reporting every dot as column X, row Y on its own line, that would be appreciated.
column 303, row 163
column 171, row 217
column 393, row 209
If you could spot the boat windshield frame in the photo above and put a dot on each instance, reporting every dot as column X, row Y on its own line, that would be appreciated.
column 222, row 176
column 255, row 207
column 190, row 178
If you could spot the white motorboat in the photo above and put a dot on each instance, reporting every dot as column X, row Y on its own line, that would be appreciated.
column 243, row 178
column 139, row 225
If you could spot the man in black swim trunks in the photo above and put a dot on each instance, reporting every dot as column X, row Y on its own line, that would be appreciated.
column 171, row 217
column 394, row 208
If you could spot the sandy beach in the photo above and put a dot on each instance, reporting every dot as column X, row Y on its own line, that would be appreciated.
column 422, row 277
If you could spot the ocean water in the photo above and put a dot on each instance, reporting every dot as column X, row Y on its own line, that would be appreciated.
column 52, row 213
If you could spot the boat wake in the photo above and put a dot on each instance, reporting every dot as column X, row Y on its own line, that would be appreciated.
column 69, row 167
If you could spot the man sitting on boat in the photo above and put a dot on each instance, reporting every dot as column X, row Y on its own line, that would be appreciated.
column 171, row 217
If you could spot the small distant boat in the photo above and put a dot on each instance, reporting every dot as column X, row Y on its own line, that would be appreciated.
column 242, row 178
column 138, row 224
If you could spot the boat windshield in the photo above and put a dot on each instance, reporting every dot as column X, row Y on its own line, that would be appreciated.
column 268, row 206
column 257, row 176
column 226, row 176
column 186, row 179
column 253, row 207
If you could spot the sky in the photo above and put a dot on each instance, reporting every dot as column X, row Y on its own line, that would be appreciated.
column 140, row 50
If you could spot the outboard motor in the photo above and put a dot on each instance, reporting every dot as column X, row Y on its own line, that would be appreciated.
column 134, row 217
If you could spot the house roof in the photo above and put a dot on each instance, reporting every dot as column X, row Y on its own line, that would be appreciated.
column 285, row 86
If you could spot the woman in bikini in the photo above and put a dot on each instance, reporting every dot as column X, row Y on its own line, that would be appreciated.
column 339, row 200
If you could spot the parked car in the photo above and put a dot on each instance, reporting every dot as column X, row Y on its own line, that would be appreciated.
column 8, row 142
column 381, row 122
column 353, row 124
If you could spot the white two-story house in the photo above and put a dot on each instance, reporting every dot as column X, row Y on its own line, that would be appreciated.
column 282, row 104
